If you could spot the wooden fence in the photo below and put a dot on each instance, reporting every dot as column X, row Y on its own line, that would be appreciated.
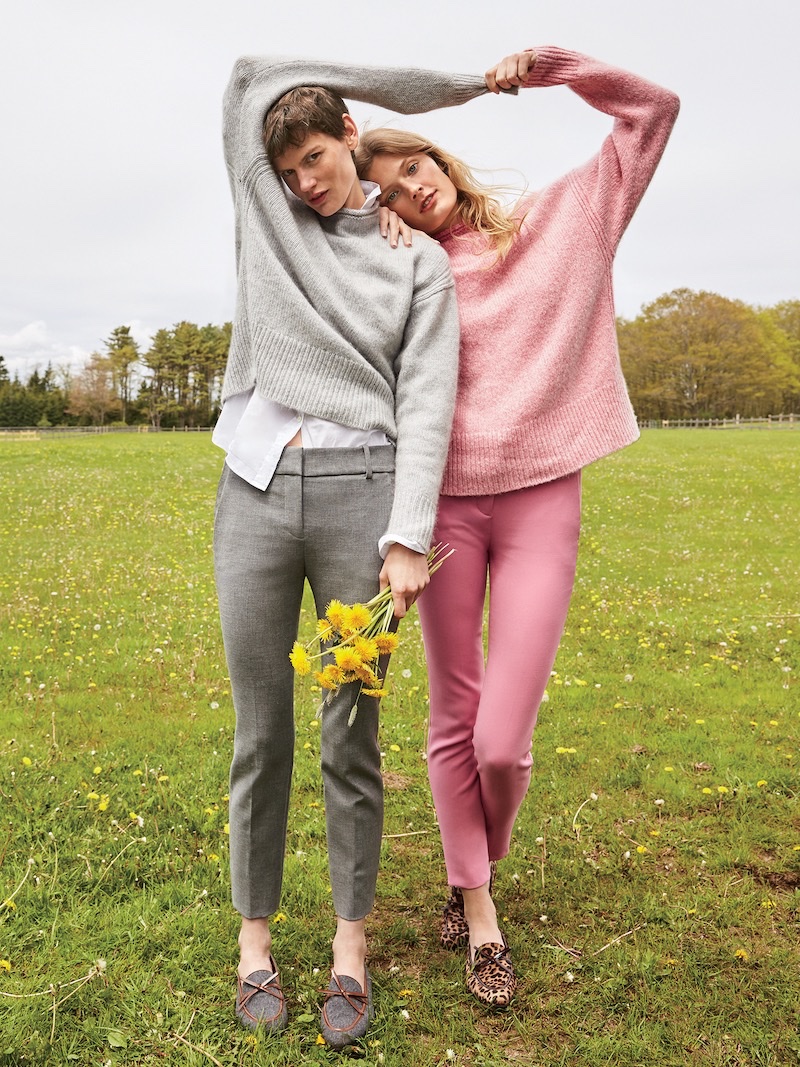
column 768, row 422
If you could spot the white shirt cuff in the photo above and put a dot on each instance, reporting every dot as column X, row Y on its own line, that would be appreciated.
column 390, row 539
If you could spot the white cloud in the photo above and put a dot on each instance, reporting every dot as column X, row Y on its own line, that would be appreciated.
column 32, row 347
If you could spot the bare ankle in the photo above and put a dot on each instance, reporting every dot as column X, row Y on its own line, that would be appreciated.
column 255, row 946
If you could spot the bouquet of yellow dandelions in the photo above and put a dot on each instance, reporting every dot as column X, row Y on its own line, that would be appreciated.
column 356, row 635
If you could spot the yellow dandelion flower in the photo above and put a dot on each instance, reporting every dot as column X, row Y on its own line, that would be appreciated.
column 741, row 954
column 386, row 642
column 707, row 790
column 394, row 748
column 641, row 849
column 357, row 617
column 5, row 965
column 347, row 659
column 761, row 783
column 279, row 917
column 104, row 802
column 97, row 770
column 368, row 677
column 377, row 693
column 331, row 677
column 27, row 761
column 92, row 796
column 226, row 829
column 10, row 905
column 321, row 1040
column 323, row 627
column 767, row 903
column 722, row 789
column 335, row 614
column 366, row 648
column 300, row 659
column 407, row 993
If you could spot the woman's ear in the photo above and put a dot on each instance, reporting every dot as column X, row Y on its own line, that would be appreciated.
column 350, row 132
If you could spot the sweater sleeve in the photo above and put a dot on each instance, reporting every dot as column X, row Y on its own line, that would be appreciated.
column 258, row 82
column 614, row 181
column 427, row 370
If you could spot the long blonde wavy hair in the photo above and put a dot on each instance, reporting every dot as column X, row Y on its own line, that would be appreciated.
column 478, row 204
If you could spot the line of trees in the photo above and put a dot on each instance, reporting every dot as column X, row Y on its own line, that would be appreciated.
column 699, row 355
column 175, row 382
column 686, row 355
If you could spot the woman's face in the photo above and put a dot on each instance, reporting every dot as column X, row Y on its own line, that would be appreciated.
column 416, row 188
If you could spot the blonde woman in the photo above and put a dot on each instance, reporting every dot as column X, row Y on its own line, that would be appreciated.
column 540, row 395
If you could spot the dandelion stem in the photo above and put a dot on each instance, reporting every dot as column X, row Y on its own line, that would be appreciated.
column 21, row 884
column 409, row 833
column 196, row 1048
column 133, row 841
column 620, row 938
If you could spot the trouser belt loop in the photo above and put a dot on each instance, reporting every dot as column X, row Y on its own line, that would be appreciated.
column 367, row 462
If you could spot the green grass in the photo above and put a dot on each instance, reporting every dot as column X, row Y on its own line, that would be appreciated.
column 645, row 933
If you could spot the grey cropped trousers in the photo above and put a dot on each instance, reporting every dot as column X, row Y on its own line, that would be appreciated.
column 320, row 519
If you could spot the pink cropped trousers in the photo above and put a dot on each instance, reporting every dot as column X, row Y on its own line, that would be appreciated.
column 482, row 714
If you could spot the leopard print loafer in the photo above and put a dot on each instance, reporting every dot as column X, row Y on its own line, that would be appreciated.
column 490, row 974
column 454, row 931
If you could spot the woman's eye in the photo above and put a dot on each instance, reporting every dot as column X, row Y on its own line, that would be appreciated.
column 412, row 168
column 391, row 197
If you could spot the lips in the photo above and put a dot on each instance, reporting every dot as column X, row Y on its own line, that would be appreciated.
column 427, row 203
column 318, row 198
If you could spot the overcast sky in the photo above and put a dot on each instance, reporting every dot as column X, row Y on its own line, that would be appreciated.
column 115, row 203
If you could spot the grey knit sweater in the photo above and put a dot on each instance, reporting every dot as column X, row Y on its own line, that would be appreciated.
column 329, row 319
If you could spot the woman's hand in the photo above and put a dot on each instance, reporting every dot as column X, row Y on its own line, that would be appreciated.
column 511, row 71
column 393, row 226
column 407, row 573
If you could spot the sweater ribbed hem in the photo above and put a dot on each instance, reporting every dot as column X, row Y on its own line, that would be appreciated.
column 515, row 457
column 413, row 516
column 328, row 384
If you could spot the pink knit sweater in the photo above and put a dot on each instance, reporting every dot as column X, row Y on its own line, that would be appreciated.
column 541, row 391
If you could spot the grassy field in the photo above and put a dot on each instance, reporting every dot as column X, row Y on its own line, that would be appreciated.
column 651, row 895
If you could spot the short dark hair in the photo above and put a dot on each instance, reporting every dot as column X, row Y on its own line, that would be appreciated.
column 309, row 109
